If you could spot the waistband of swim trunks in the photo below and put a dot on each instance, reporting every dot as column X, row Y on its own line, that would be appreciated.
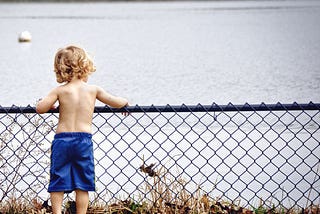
column 72, row 134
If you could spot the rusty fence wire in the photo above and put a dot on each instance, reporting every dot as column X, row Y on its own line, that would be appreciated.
column 245, row 153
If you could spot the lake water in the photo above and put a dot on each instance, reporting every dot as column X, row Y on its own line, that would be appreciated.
column 168, row 52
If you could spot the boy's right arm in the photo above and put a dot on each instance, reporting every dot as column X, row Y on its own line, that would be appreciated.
column 47, row 103
column 111, row 100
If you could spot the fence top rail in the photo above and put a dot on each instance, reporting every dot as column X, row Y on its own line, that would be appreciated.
column 182, row 108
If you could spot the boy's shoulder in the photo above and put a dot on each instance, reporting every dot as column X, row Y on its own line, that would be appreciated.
column 59, row 88
column 67, row 87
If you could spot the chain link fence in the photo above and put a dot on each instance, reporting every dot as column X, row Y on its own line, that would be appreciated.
column 241, row 153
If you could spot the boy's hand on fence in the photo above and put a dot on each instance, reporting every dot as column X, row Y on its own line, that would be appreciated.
column 52, row 107
column 125, row 113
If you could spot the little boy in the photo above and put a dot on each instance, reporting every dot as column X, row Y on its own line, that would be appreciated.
column 72, row 162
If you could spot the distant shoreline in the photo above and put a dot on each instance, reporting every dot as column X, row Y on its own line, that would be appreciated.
column 75, row 1
column 88, row 1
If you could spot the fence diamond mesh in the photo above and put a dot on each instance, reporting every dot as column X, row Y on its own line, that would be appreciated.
column 244, row 153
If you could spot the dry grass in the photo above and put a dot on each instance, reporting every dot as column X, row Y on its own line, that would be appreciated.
column 162, row 194
column 199, row 206
column 22, row 206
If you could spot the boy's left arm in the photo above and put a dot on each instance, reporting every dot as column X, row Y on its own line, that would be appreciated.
column 47, row 103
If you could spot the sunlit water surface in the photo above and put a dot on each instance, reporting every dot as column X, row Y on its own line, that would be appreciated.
column 169, row 53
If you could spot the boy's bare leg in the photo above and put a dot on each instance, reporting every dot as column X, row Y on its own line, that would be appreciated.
column 56, row 202
column 82, row 200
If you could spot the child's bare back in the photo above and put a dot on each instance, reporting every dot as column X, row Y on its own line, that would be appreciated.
column 76, row 104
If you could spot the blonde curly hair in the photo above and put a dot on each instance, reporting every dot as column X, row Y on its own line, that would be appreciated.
column 72, row 61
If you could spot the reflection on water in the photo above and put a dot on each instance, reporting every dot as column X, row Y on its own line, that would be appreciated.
column 160, row 53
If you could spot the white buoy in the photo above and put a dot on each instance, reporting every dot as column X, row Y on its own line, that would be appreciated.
column 25, row 36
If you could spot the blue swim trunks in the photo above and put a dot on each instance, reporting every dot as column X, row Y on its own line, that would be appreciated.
column 72, row 163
